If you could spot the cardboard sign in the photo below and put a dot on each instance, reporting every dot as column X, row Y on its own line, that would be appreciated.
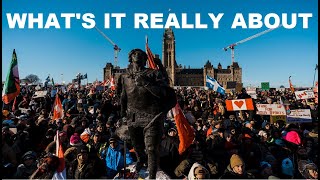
column 274, row 119
column 265, row 86
column 271, row 109
column 306, row 94
column 39, row 94
column 299, row 116
column 252, row 92
column 281, row 89
column 239, row 104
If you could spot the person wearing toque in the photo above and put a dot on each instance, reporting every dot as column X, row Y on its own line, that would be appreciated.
column 236, row 169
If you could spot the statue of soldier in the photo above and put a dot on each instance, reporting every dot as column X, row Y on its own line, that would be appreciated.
column 145, row 100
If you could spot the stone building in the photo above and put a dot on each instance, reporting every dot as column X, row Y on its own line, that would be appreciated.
column 182, row 76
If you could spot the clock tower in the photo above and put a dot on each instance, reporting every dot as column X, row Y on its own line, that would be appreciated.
column 169, row 54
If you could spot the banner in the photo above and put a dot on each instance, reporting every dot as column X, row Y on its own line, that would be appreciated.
column 299, row 116
column 306, row 94
column 271, row 109
column 239, row 104
column 265, row 86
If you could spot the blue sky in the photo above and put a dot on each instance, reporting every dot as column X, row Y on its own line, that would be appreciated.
column 271, row 57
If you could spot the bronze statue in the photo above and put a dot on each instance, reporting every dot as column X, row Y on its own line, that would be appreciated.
column 145, row 100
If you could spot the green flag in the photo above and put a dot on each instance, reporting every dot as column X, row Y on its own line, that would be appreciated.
column 11, row 87
column 265, row 86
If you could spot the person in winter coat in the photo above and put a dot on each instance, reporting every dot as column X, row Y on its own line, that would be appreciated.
column 46, row 168
column 28, row 166
column 236, row 169
column 114, row 157
column 308, row 170
column 82, row 167
column 198, row 171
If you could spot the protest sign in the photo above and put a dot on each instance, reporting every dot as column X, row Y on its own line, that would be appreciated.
column 39, row 94
column 252, row 92
column 306, row 94
column 299, row 116
column 270, row 109
column 281, row 89
column 265, row 86
column 276, row 118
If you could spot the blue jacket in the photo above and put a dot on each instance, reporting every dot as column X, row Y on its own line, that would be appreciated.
column 115, row 161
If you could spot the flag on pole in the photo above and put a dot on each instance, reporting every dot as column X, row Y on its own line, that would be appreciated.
column 11, row 87
column 57, row 110
column 112, row 84
column 52, row 81
column 46, row 81
column 214, row 85
column 291, row 86
column 151, row 62
column 14, row 104
column 61, row 170
column 185, row 131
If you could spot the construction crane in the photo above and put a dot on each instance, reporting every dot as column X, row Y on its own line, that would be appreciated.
column 232, row 46
column 115, row 47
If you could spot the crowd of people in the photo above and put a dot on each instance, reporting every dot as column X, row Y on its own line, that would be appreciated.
column 227, row 144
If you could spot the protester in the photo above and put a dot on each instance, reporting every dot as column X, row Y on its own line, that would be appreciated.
column 263, row 148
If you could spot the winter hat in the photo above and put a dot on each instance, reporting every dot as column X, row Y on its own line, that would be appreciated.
column 236, row 160
column 279, row 142
column 29, row 155
column 264, row 165
column 287, row 167
column 75, row 140
column 293, row 137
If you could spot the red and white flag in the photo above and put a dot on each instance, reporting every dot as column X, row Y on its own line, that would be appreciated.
column 57, row 109
column 61, row 170
column 291, row 86
column 185, row 131
column 112, row 84
column 151, row 62
column 239, row 104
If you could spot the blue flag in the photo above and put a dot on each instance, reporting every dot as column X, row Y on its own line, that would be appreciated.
column 214, row 85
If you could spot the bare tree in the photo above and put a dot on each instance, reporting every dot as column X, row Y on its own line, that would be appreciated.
column 31, row 78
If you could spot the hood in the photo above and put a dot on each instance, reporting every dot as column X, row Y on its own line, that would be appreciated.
column 191, row 175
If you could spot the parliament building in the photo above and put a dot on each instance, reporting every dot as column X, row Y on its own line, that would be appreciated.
column 182, row 76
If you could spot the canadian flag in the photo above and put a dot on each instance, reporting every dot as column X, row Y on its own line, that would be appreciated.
column 61, row 170
column 112, row 84
column 185, row 131
column 239, row 104
column 57, row 110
